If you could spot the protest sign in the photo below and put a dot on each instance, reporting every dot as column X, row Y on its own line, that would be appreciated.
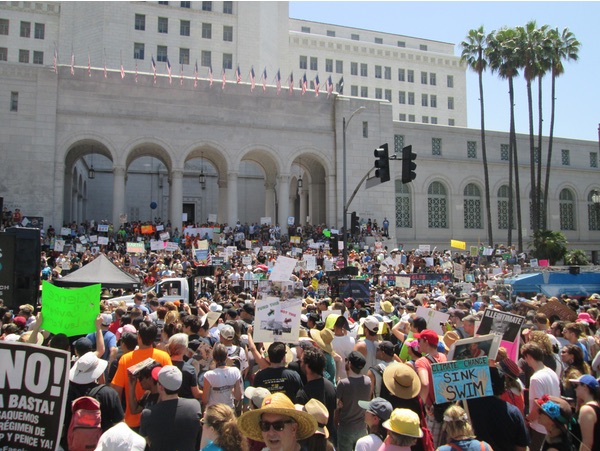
column 156, row 245
column 277, row 320
column 59, row 245
column 103, row 240
column 283, row 269
column 497, row 322
column 424, row 247
column 164, row 236
column 33, row 396
column 136, row 248
column 65, row 231
column 403, row 281
column 171, row 246
column 147, row 230
column 160, row 227
column 102, row 228
column 435, row 320
column 93, row 239
column 311, row 262
column 557, row 308
column 458, row 244
column 462, row 379
column 474, row 251
column 71, row 311
column 458, row 271
column 265, row 220
column 212, row 217
column 470, row 348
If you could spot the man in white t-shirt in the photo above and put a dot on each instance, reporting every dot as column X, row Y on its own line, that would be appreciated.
column 544, row 381
column 343, row 343
column 234, row 352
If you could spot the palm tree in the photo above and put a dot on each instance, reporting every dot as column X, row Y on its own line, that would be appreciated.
column 549, row 245
column 543, row 66
column 564, row 47
column 473, row 54
column 502, row 53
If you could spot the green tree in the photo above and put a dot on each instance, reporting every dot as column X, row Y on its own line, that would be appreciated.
column 549, row 245
column 576, row 257
column 473, row 54
column 564, row 47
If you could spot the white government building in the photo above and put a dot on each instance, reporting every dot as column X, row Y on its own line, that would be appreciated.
column 182, row 145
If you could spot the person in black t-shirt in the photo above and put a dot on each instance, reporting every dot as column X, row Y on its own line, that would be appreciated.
column 277, row 378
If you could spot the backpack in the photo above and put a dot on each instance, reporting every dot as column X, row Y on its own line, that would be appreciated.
column 377, row 371
column 234, row 358
column 85, row 428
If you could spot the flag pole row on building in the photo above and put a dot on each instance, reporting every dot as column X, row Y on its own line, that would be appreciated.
column 302, row 84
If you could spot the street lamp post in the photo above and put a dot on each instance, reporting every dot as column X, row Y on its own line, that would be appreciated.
column 345, row 207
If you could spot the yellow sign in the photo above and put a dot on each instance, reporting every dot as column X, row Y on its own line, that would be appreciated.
column 458, row 244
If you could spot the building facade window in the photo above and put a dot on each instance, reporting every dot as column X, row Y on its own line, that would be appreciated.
column 503, row 205
column 364, row 91
column 328, row 65
column 450, row 81
column 432, row 79
column 354, row 37
column 424, row 99
column 305, row 29
column 504, row 149
column 388, row 95
column 378, row 40
column 23, row 56
column 472, row 207
column 410, row 76
column 401, row 75
column 378, row 72
column 227, row 7
column 451, row 122
column 387, row 73
column 436, row 146
column 14, row 101
column 593, row 213
column 411, row 98
column 401, row 44
column 423, row 78
column 450, row 103
column 434, row 120
column 423, row 47
column 354, row 91
column 314, row 63
column 163, row 25
column 339, row 67
column 402, row 97
column 25, row 29
column 593, row 160
column 4, row 27
column 433, row 101
column 206, row 30
column 140, row 22
column 184, row 56
column 163, row 3
column 437, row 206
column 378, row 93
column 403, row 206
column 206, row 58
column 471, row 149
column 161, row 53
column 303, row 62
column 411, row 118
column 138, row 51
column 39, row 31
column 398, row 143
column 565, row 157
column 3, row 54
column 206, row 6
column 365, row 127
column 425, row 119
column 185, row 4
column 331, row 33
column 567, row 209
column 38, row 57
column 184, row 27
column 353, row 68
column 227, row 33
column 402, row 117
column 364, row 72
column 227, row 61
column 536, row 154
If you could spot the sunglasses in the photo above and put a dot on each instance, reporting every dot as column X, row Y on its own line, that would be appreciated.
column 278, row 426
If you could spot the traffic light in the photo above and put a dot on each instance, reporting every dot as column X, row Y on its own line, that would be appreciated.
column 408, row 165
column 354, row 226
column 382, row 163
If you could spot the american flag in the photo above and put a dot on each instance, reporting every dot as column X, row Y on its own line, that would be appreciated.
column 154, row 69
column 136, row 72
column 329, row 86
column 169, row 70
column 122, row 71
column 224, row 77
column 89, row 65
column 55, row 62
column 181, row 76
column 291, row 83
column 317, row 83
column 278, row 81
column 303, row 83
column 210, row 75
column 264, row 79
column 238, row 75
column 252, row 79
column 72, row 63
column 196, row 75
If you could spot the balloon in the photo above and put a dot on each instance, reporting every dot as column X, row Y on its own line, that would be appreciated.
column 153, row 205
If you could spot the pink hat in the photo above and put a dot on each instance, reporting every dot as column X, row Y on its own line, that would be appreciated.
column 126, row 328
column 585, row 318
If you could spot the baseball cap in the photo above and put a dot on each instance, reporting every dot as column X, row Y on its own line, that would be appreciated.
column 386, row 347
column 248, row 308
column 371, row 323
column 83, row 346
column 586, row 379
column 378, row 407
column 342, row 322
column 227, row 332
column 256, row 395
column 429, row 336
column 107, row 319
column 20, row 321
column 357, row 360
column 170, row 377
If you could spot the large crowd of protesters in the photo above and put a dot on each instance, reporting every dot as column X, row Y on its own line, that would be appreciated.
column 356, row 379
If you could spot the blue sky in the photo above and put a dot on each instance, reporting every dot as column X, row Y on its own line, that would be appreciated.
column 577, row 92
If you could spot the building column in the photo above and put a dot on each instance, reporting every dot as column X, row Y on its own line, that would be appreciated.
column 222, row 209
column 176, row 199
column 283, row 182
column 80, row 213
column 118, row 195
column 73, row 206
column 270, row 200
column 334, row 218
column 303, row 204
column 232, row 198
column 61, row 180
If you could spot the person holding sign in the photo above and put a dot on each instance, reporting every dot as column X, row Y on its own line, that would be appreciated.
column 460, row 432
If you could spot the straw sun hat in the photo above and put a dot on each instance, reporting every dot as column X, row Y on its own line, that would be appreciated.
column 323, row 338
column 401, row 380
column 278, row 404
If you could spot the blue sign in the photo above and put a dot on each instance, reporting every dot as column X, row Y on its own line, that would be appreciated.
column 461, row 379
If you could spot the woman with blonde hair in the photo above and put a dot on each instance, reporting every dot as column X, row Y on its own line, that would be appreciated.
column 460, row 432
column 220, row 431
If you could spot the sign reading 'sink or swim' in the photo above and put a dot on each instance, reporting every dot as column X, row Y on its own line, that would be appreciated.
column 461, row 379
